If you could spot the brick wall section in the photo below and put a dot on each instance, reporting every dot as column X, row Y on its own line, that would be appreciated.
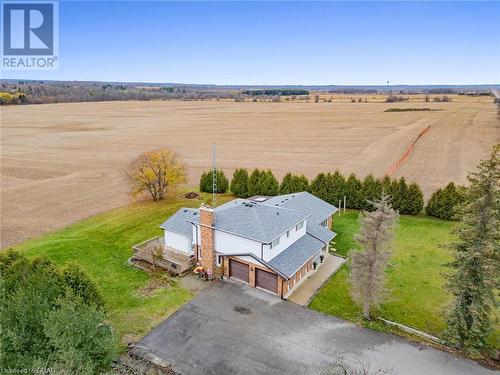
column 284, row 286
column 251, row 272
column 280, row 286
column 294, row 280
column 207, row 240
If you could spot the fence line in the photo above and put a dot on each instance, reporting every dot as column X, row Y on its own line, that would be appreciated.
column 407, row 153
column 414, row 331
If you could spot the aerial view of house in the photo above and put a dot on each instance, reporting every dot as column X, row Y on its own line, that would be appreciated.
column 270, row 243
column 249, row 187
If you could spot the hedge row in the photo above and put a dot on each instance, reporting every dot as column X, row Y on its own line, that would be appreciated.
column 331, row 187
column 406, row 198
column 445, row 202
column 206, row 182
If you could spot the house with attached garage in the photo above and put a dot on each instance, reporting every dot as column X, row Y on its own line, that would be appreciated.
column 270, row 243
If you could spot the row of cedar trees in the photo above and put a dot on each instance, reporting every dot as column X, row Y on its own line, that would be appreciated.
column 331, row 187
column 157, row 171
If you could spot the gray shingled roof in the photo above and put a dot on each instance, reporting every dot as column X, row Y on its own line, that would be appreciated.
column 304, row 202
column 265, row 221
column 180, row 221
column 255, row 220
column 294, row 256
column 320, row 232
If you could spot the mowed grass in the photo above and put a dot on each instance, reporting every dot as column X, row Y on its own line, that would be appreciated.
column 101, row 245
column 415, row 282
column 415, row 277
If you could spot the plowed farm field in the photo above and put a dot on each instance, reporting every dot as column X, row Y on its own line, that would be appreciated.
column 63, row 162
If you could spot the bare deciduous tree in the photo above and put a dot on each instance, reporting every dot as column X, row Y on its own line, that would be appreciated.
column 367, row 277
column 157, row 172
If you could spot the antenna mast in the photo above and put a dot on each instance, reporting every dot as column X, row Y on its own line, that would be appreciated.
column 214, row 178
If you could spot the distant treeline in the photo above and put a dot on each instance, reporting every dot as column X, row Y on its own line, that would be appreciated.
column 479, row 93
column 39, row 92
column 345, row 90
column 275, row 92
column 394, row 98
column 16, row 98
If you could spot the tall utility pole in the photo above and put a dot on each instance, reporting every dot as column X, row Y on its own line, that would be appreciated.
column 214, row 178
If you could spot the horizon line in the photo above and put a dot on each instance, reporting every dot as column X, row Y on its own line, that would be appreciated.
column 257, row 84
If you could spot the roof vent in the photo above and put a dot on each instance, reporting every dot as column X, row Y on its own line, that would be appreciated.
column 185, row 210
column 195, row 213
column 276, row 204
column 277, row 213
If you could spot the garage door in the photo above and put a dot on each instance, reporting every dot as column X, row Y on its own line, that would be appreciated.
column 266, row 280
column 238, row 270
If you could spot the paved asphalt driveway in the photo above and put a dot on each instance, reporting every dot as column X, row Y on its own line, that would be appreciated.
column 207, row 336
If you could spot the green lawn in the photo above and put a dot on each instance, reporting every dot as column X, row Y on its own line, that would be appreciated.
column 415, row 276
column 101, row 245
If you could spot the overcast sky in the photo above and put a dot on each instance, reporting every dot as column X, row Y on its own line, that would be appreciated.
column 278, row 43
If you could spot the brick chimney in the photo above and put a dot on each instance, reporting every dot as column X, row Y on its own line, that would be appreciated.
column 207, row 252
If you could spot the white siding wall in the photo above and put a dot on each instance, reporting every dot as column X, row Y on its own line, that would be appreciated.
column 284, row 242
column 178, row 242
column 226, row 243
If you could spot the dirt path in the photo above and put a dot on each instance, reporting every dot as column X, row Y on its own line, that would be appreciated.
column 64, row 162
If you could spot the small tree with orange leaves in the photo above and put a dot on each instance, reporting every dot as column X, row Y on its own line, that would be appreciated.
column 156, row 172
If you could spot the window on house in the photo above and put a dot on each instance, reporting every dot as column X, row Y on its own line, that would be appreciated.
column 324, row 223
column 275, row 242
column 299, row 226
column 219, row 261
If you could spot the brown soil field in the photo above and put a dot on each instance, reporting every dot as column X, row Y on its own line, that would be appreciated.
column 63, row 162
